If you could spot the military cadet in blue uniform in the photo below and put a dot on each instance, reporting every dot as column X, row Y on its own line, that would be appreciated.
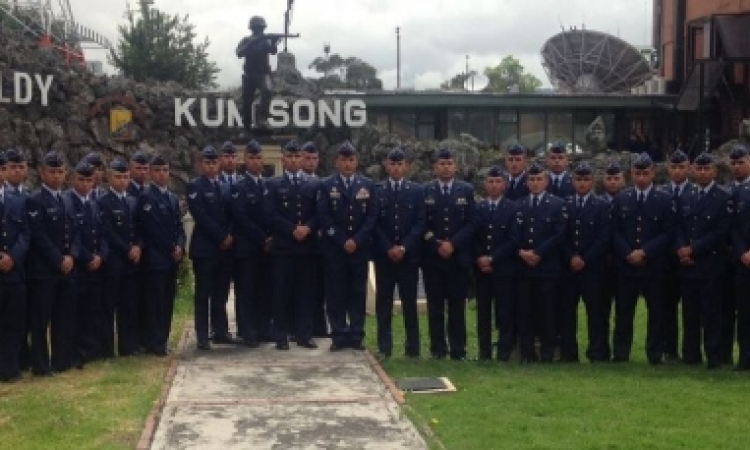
column 122, row 271
column 347, row 212
column 678, row 187
column 17, row 171
column 138, row 182
column 539, row 232
column 93, row 254
column 96, row 161
column 50, row 266
column 613, row 181
column 740, row 237
column 447, row 256
column 219, row 322
column 253, row 309
column 398, row 240
column 310, row 161
column 704, row 219
column 138, row 172
column 587, row 243
column 15, row 179
column 561, row 183
column 516, row 162
column 290, row 206
column 160, row 222
column 495, row 253
column 211, row 241
column 643, row 225
column 14, row 243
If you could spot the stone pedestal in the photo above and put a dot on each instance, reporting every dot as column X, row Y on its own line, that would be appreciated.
column 286, row 62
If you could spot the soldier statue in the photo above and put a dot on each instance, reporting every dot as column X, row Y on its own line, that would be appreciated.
column 256, row 49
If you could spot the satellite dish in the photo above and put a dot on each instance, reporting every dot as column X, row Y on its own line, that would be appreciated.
column 590, row 61
column 476, row 82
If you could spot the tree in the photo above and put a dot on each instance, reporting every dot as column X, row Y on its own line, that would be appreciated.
column 508, row 74
column 458, row 81
column 351, row 73
column 162, row 47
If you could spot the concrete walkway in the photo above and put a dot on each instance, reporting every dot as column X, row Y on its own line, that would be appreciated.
column 241, row 398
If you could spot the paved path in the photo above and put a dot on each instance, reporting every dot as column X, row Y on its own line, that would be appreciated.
column 240, row 398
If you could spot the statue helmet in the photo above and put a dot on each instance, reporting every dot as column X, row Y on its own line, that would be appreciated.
column 257, row 22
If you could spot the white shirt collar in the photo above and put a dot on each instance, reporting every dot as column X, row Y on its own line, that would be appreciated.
column 50, row 190
column 118, row 194
column 585, row 197
column 680, row 186
column 449, row 185
column 81, row 197
column 645, row 191
column 540, row 196
column 707, row 188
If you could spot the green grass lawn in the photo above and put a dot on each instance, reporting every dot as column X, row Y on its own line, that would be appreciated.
column 605, row 406
column 103, row 406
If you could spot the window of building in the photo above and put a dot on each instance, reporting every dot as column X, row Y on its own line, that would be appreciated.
column 480, row 125
column 457, row 122
column 426, row 125
column 404, row 123
column 589, row 136
column 560, row 129
column 531, row 131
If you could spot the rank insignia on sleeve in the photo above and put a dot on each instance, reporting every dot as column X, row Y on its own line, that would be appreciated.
column 236, row 195
column 193, row 195
column 33, row 213
column 428, row 235
column 331, row 232
column 147, row 207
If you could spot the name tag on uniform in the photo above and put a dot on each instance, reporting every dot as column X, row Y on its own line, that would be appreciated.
column 208, row 194
column 363, row 194
column 335, row 194
column 461, row 201
column 429, row 200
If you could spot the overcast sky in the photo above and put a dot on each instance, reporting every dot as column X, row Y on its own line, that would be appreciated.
column 436, row 35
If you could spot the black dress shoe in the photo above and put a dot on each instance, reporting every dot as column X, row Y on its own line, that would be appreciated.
column 223, row 339
column 336, row 347
column 10, row 378
column 742, row 367
column 204, row 345
column 306, row 343
column 282, row 345
column 619, row 359
column 358, row 346
column 252, row 343
column 413, row 355
column 438, row 356
column 43, row 373
column 655, row 361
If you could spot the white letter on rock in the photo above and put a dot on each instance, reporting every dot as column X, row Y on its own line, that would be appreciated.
column 22, row 88
column 44, row 85
column 212, row 123
column 277, row 115
column 355, row 113
column 234, row 119
column 324, row 111
column 183, row 109
column 297, row 113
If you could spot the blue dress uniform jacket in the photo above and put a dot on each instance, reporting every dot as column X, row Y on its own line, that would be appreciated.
column 565, row 188
column 160, row 222
column 703, row 225
column 54, row 234
column 287, row 207
column 450, row 218
column 210, row 209
column 15, row 236
column 401, row 220
column 248, row 217
column 134, row 189
column 91, row 232
column 650, row 229
column 493, row 236
column 120, row 231
column 347, row 214
column 517, row 189
column 541, row 229
column 589, row 233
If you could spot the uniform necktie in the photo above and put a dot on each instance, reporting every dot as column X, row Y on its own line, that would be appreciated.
column 493, row 206
column 557, row 183
column 641, row 198
column 396, row 187
column 580, row 202
column 446, row 190
column 675, row 192
column 534, row 201
column 701, row 194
